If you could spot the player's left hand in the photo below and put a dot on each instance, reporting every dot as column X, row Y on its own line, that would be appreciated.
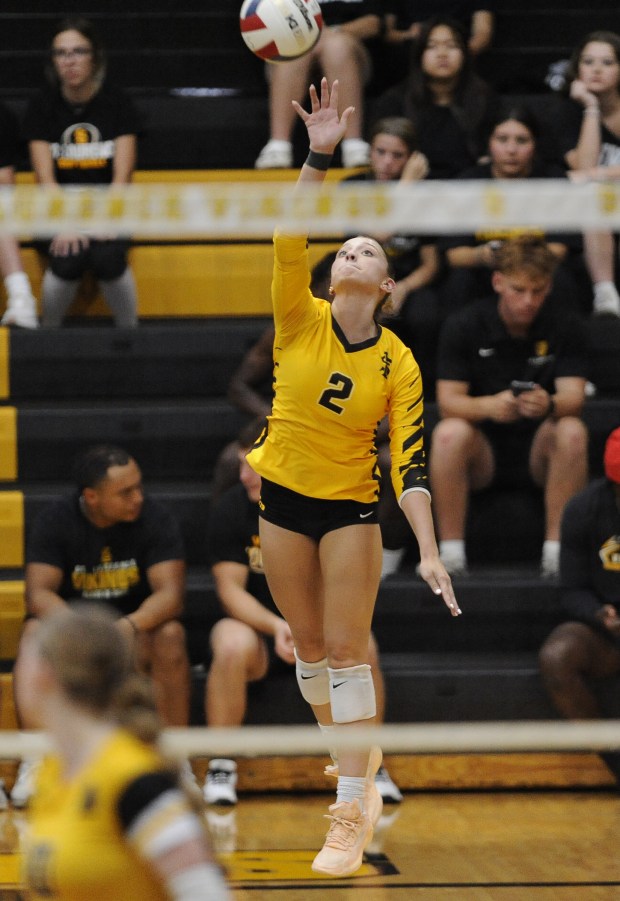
column 436, row 575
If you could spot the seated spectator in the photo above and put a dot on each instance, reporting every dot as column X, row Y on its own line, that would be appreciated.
column 590, row 135
column 584, row 650
column 80, row 130
column 21, row 308
column 497, row 431
column 449, row 105
column 512, row 153
column 414, row 259
column 252, row 639
column 340, row 53
column 404, row 20
column 107, row 542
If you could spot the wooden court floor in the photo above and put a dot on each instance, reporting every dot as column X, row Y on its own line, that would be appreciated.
column 435, row 846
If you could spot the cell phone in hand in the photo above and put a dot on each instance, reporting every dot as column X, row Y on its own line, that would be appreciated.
column 518, row 387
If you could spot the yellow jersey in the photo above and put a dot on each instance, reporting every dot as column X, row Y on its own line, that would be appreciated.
column 330, row 396
column 76, row 849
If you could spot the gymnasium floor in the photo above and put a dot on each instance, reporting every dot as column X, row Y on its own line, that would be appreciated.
column 435, row 846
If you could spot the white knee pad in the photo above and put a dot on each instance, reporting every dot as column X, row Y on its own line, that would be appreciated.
column 313, row 680
column 352, row 693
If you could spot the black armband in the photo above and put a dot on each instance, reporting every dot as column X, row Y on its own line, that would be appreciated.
column 319, row 161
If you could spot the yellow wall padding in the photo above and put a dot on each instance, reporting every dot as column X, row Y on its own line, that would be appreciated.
column 4, row 363
column 12, row 612
column 8, row 443
column 11, row 528
column 189, row 279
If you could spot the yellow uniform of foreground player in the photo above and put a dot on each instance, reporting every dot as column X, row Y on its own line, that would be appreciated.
column 110, row 818
column 337, row 372
column 76, row 848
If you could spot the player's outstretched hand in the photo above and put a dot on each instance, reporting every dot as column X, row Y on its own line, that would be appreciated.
column 435, row 574
column 325, row 126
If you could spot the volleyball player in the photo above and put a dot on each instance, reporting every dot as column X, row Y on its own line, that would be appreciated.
column 336, row 374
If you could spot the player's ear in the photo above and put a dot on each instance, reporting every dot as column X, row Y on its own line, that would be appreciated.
column 388, row 285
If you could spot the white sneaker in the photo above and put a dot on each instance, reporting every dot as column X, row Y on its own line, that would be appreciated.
column 21, row 312
column 221, row 781
column 275, row 155
column 606, row 300
column 355, row 152
column 388, row 789
column 4, row 801
column 24, row 783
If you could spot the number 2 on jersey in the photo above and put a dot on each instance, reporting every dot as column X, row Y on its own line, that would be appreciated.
column 342, row 390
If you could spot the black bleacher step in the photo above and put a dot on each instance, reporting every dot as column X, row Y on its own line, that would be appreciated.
column 429, row 687
column 505, row 610
column 177, row 439
column 182, row 359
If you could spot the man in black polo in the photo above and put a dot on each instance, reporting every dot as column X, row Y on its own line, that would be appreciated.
column 510, row 389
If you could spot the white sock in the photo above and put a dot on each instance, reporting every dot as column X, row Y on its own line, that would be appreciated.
column 453, row 549
column 606, row 298
column 278, row 144
column 17, row 284
column 391, row 561
column 350, row 788
column 551, row 557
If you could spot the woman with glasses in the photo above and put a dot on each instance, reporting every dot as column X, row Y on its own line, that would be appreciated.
column 80, row 130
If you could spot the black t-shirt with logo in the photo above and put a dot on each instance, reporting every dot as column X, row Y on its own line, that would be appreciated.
column 108, row 565
column 81, row 137
column 475, row 347
column 233, row 537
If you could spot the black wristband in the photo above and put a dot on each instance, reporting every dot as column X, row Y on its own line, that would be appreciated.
column 320, row 161
column 551, row 409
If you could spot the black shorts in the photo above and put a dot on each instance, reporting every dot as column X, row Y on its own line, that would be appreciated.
column 311, row 516
column 511, row 451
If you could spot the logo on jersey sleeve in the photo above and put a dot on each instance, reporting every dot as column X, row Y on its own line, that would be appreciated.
column 81, row 147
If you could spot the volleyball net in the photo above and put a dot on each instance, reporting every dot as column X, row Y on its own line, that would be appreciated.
column 406, row 738
column 228, row 210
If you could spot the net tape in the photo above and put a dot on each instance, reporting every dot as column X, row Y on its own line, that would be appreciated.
column 228, row 209
column 420, row 738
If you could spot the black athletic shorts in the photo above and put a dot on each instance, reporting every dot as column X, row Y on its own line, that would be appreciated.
column 310, row 515
column 511, row 451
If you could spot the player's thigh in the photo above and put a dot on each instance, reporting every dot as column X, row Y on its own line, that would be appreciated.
column 351, row 567
column 577, row 646
column 292, row 568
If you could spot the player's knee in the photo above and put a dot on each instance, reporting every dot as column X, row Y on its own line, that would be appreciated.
column 313, row 681
column 352, row 693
